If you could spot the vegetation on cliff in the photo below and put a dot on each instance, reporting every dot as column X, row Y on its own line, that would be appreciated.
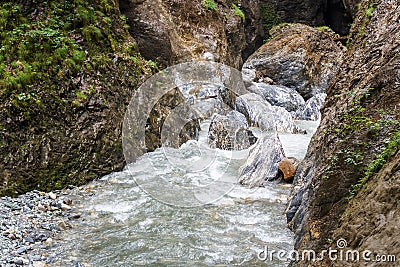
column 356, row 148
column 67, row 69
column 270, row 18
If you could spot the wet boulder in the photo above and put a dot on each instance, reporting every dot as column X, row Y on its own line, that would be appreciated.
column 299, row 57
column 230, row 132
column 206, row 108
column 311, row 110
column 284, row 121
column 249, row 76
column 260, row 113
column 278, row 95
column 262, row 164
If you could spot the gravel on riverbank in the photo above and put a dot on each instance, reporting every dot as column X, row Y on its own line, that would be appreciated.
column 30, row 226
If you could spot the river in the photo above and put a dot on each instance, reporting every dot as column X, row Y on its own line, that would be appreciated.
column 122, row 225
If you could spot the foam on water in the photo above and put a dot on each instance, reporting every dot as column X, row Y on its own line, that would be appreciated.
column 124, row 226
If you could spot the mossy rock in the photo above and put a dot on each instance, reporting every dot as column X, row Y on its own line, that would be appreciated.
column 67, row 72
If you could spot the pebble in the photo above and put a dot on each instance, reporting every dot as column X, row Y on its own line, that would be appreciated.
column 30, row 225
column 65, row 207
column 39, row 264
column 52, row 195
column 21, row 250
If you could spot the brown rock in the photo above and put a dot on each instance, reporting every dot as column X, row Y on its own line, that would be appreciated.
column 288, row 167
column 171, row 31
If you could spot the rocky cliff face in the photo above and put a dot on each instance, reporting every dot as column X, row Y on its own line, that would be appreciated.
column 348, row 184
column 337, row 14
column 67, row 72
column 176, row 31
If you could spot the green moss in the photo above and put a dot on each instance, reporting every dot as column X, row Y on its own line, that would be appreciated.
column 392, row 147
column 238, row 12
column 209, row 5
column 359, row 32
column 322, row 28
column 270, row 19
column 358, row 133
column 56, row 56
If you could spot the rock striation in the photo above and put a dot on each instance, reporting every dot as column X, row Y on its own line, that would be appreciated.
column 299, row 57
column 347, row 185
column 262, row 163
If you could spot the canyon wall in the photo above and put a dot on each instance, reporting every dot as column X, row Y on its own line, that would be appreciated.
column 348, row 185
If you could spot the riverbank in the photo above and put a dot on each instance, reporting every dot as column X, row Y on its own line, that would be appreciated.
column 31, row 224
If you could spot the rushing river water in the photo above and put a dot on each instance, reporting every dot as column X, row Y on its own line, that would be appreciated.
column 124, row 226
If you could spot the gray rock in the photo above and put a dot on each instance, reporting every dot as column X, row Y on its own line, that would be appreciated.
column 262, row 163
column 261, row 113
column 18, row 261
column 21, row 250
column 230, row 132
column 311, row 109
column 284, row 121
column 299, row 57
column 278, row 95
column 257, row 111
column 249, row 76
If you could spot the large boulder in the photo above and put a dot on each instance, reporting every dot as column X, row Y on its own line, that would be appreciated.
column 262, row 164
column 311, row 109
column 172, row 31
column 260, row 113
column 166, row 127
column 230, row 132
column 278, row 95
column 299, row 57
